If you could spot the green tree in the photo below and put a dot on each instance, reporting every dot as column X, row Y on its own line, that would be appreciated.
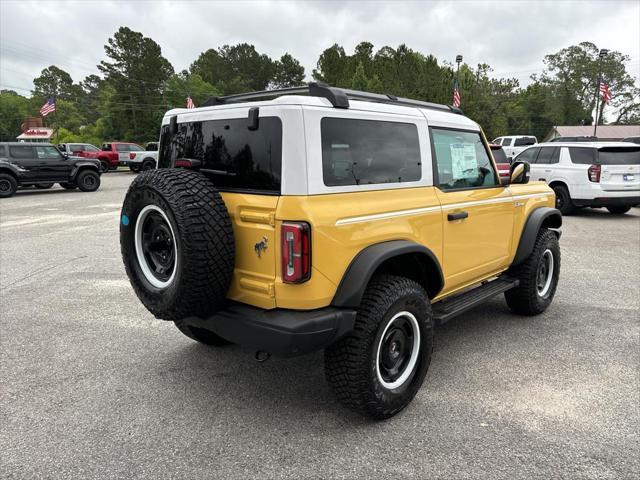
column 181, row 85
column 359, row 81
column 235, row 69
column 55, row 82
column 14, row 109
column 288, row 72
column 136, row 72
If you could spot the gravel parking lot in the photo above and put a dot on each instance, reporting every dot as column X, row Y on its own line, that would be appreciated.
column 92, row 386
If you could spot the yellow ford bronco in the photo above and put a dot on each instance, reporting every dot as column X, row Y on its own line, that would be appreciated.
column 314, row 217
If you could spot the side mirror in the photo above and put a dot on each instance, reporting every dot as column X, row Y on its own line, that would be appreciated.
column 520, row 172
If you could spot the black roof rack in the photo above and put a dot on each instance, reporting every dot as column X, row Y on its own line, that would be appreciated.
column 339, row 97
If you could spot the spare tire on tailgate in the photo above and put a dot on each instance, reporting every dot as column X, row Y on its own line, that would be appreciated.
column 177, row 243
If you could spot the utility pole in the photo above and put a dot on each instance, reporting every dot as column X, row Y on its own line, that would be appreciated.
column 603, row 53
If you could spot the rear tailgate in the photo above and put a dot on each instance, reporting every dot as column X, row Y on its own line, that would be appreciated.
column 620, row 168
column 253, row 218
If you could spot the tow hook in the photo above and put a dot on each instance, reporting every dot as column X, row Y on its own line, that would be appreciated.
column 262, row 356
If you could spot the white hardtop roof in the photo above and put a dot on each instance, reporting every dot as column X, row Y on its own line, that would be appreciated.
column 435, row 117
column 586, row 144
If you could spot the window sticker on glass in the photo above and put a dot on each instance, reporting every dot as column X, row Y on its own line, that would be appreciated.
column 464, row 163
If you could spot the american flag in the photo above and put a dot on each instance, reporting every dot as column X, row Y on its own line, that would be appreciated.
column 48, row 107
column 456, row 95
column 190, row 103
column 605, row 92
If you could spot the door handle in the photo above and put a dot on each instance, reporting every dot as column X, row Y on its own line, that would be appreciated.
column 457, row 216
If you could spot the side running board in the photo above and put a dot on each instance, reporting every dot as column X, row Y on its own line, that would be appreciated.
column 448, row 308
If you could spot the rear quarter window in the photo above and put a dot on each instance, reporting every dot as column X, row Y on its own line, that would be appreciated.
column 524, row 141
column 368, row 152
column 582, row 155
column 20, row 151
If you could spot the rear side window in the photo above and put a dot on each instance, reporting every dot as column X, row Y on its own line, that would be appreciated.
column 506, row 142
column 21, row 151
column 47, row 152
column 75, row 148
column 234, row 156
column 523, row 141
column 583, row 155
column 135, row 148
column 462, row 160
column 613, row 156
column 366, row 152
column 529, row 155
column 548, row 155
column 122, row 147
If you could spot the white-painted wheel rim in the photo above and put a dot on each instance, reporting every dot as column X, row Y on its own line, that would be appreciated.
column 142, row 261
column 415, row 352
column 544, row 276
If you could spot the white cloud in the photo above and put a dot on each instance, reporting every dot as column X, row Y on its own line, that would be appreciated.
column 512, row 37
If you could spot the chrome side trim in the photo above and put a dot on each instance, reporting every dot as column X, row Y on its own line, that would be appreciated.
column 382, row 216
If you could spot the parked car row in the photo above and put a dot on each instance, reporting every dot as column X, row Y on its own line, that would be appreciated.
column 113, row 154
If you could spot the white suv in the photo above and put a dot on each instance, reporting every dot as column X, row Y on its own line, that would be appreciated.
column 593, row 174
column 514, row 144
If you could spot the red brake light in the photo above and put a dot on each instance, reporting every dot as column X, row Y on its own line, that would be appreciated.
column 132, row 155
column 594, row 173
column 186, row 163
column 296, row 252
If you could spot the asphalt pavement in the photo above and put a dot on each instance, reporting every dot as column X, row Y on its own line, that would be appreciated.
column 92, row 386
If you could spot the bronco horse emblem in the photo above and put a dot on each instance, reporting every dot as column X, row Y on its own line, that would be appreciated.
column 261, row 246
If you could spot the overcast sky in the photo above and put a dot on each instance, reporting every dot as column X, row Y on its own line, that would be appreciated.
column 511, row 36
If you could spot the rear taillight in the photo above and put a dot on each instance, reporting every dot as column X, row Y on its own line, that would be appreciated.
column 594, row 173
column 296, row 252
column 132, row 155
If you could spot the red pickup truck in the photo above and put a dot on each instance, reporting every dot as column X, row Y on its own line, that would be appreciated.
column 111, row 154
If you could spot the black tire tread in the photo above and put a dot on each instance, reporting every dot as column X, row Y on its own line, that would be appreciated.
column 347, row 361
column 207, row 243
column 524, row 299
column 82, row 174
column 12, row 181
column 568, row 207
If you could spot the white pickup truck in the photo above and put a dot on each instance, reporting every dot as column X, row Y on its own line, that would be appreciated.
column 514, row 144
column 143, row 160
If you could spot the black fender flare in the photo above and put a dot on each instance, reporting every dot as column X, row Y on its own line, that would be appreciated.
column 12, row 170
column 364, row 265
column 82, row 165
column 541, row 217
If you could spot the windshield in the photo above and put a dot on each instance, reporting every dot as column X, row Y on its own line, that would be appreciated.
column 619, row 156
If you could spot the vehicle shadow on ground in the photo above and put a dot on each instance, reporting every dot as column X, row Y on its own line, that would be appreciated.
column 602, row 213
column 297, row 385
column 50, row 191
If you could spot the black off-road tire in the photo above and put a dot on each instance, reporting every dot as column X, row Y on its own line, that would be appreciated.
column 526, row 299
column 563, row 200
column 204, row 243
column 88, row 180
column 44, row 186
column 68, row 186
column 104, row 166
column 618, row 210
column 148, row 164
column 8, row 185
column 201, row 335
column 351, row 363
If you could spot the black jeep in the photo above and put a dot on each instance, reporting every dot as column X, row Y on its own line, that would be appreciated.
column 41, row 165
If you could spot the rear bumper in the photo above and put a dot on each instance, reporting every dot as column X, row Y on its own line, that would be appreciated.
column 608, row 202
column 280, row 332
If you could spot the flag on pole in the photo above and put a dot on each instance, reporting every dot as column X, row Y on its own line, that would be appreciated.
column 456, row 95
column 605, row 92
column 48, row 107
column 190, row 103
